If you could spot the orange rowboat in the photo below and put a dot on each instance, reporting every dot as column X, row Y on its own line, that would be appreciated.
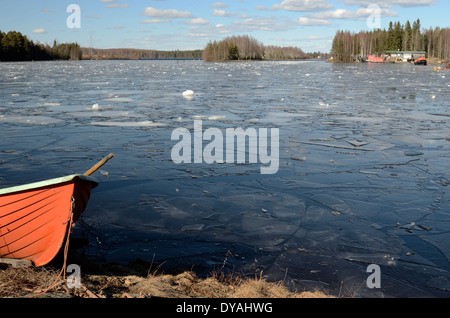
column 35, row 218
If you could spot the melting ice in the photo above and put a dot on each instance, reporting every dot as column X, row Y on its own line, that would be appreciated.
column 364, row 154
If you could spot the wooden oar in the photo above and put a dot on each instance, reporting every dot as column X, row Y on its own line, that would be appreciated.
column 99, row 164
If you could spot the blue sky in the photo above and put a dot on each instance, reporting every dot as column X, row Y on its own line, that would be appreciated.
column 183, row 24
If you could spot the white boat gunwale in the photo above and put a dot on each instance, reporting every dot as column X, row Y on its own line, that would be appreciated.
column 46, row 183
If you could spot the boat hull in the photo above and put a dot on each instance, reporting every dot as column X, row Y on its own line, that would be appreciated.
column 421, row 62
column 34, row 218
column 375, row 59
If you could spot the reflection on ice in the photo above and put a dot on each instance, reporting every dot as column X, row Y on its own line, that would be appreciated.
column 128, row 124
column 49, row 104
column 119, row 100
column 30, row 120
column 363, row 177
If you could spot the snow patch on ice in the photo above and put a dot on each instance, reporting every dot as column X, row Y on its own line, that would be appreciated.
column 128, row 124
column 188, row 94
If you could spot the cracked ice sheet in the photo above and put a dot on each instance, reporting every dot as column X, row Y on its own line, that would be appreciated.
column 437, row 225
column 327, row 245
column 226, row 216
column 221, row 207
column 340, row 242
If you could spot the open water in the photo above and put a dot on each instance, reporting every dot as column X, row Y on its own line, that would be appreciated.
column 363, row 178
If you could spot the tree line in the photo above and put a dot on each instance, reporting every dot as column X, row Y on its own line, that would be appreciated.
column 17, row 47
column 137, row 54
column 348, row 46
column 244, row 47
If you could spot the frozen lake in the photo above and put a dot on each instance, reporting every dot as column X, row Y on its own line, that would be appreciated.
column 363, row 178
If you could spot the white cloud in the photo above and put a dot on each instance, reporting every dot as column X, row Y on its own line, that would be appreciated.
column 222, row 13
column 219, row 5
column 312, row 21
column 214, row 31
column 168, row 13
column 117, row 5
column 197, row 21
column 303, row 5
column 256, row 24
column 392, row 3
column 262, row 24
column 154, row 21
column 39, row 31
column 361, row 13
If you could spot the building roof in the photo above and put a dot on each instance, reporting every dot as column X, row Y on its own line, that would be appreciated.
column 407, row 52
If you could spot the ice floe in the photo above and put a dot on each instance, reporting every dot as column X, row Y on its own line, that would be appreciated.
column 188, row 94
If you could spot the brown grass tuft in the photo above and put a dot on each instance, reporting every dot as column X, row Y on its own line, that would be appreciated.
column 32, row 282
column 21, row 282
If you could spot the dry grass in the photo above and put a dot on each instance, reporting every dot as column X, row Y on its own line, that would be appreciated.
column 187, row 285
column 32, row 282
column 20, row 282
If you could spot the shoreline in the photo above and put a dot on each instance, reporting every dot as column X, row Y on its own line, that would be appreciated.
column 161, row 59
column 137, row 279
column 430, row 61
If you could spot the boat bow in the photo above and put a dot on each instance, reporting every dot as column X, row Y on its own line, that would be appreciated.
column 34, row 218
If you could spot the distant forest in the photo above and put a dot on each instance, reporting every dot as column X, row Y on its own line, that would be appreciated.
column 247, row 48
column 14, row 46
column 17, row 47
column 347, row 46
column 136, row 54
